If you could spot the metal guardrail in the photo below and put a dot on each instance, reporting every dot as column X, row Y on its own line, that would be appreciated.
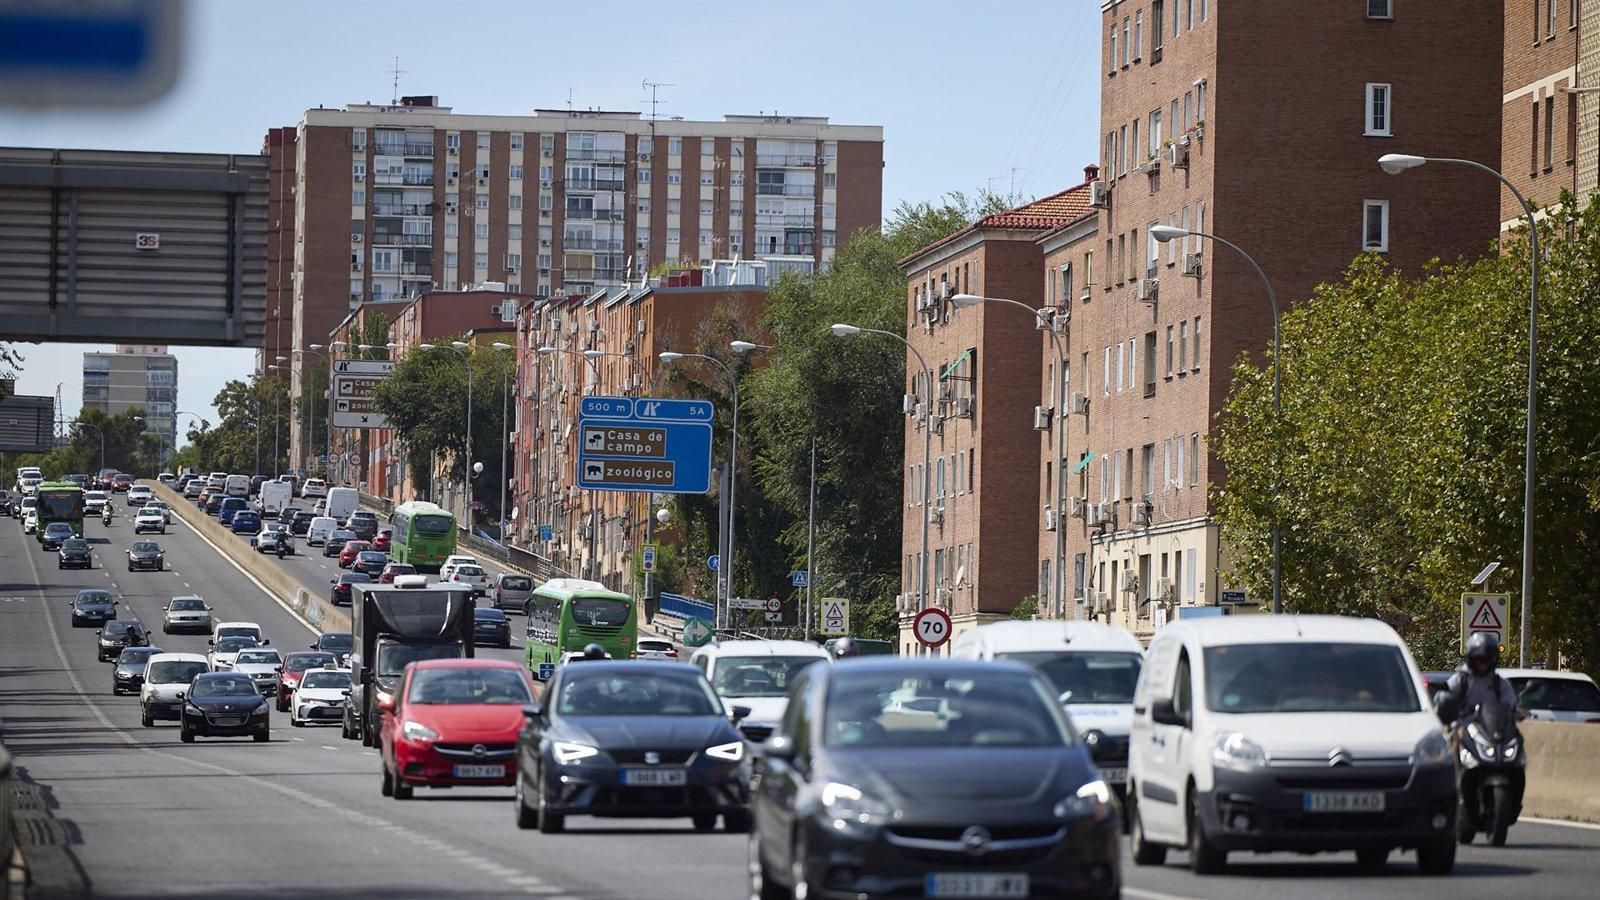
column 7, row 837
column 684, row 607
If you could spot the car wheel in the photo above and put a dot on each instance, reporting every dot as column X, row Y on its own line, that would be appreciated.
column 527, row 816
column 130, row 567
column 1204, row 857
column 185, row 735
column 296, row 722
column 402, row 791
column 283, row 705
column 1437, row 857
column 762, row 885
column 549, row 822
column 144, row 718
column 345, row 731
column 1372, row 857
column 704, row 821
column 388, row 783
column 736, row 822
column 799, row 875
column 263, row 736
column 1144, row 852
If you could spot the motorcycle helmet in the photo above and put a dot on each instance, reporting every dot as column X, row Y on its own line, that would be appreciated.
column 595, row 651
column 1483, row 646
column 846, row 647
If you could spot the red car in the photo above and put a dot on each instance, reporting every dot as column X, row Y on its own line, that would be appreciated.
column 393, row 569
column 453, row 722
column 121, row 481
column 294, row 665
column 347, row 556
column 200, row 502
column 383, row 539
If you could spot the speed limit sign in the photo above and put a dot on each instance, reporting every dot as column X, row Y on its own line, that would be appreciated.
column 932, row 627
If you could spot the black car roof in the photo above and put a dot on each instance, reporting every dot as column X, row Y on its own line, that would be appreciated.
column 915, row 667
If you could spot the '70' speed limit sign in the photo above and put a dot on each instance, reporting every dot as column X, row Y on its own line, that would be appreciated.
column 932, row 627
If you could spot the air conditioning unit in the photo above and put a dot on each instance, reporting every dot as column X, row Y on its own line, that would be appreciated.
column 1152, row 165
column 1086, row 293
column 1130, row 581
column 964, row 407
column 454, row 151
column 451, row 181
column 908, row 404
column 1079, row 403
column 1077, row 507
column 936, row 515
column 1148, row 289
column 1143, row 512
column 1177, row 156
column 936, row 423
column 641, row 326
column 546, row 183
column 511, row 270
column 941, row 597
column 355, row 238
column 947, row 393
column 449, row 209
column 644, row 157
column 1099, row 195
column 1049, row 519
column 1041, row 418
column 1191, row 265
column 946, row 290
column 922, row 302
column 921, row 412
column 1042, row 319
column 360, row 177
column 544, row 242
column 547, row 153
column 594, row 326
column 544, row 213
column 1100, row 513
column 355, row 267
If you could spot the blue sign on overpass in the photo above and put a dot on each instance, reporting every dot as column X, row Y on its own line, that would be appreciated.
column 657, row 446
column 89, row 53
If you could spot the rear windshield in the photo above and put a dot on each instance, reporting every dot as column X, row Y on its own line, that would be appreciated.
column 1557, row 694
column 1305, row 677
column 755, row 676
column 517, row 583
column 236, row 631
column 233, row 644
column 299, row 662
column 600, row 611
column 450, row 686
column 224, row 686
column 336, row 680
column 432, row 525
column 335, row 642
column 1085, row 677
column 174, row 671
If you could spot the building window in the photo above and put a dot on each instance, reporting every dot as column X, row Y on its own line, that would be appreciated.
column 1195, row 356
column 480, row 230
column 1378, row 110
column 829, row 179
column 514, row 201
column 705, row 177
column 705, row 207
column 451, row 228
column 674, row 176
column 1111, row 65
column 1155, row 132
column 1147, row 460
column 516, row 171
column 1200, row 101
column 480, row 201
column 483, row 141
column 1133, row 136
column 1183, row 346
column 1138, row 35
column 1380, row 9
column 1150, row 364
column 452, row 141
column 1172, row 347
column 1157, row 17
column 674, row 206
column 480, row 260
column 358, row 170
column 1549, row 132
column 675, row 147
column 1194, row 458
column 514, row 232
column 644, row 176
column 1550, row 18
column 1088, row 268
column 1375, row 225
column 358, row 198
column 1123, row 151
column 1533, row 142
column 1126, row 41
column 1105, row 375
column 516, row 143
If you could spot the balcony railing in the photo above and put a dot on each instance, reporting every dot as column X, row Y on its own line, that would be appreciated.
column 582, row 243
column 615, row 156
column 608, row 184
column 404, row 209
column 786, row 190
column 780, row 159
column 798, row 249
column 418, row 178
column 419, row 149
column 580, row 214
column 403, row 240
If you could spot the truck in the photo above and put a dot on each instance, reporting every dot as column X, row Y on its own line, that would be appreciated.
column 342, row 501
column 275, row 495
column 392, row 625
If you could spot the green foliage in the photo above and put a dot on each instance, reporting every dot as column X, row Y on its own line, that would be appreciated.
column 311, row 413
column 1027, row 608
column 127, row 447
column 1397, row 463
column 254, row 418
column 10, row 359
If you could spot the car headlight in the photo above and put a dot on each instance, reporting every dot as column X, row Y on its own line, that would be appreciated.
column 1433, row 749
column 733, row 751
column 262, row 709
column 1093, row 799
column 417, row 731
column 568, row 752
column 190, row 707
column 1230, row 748
column 850, row 809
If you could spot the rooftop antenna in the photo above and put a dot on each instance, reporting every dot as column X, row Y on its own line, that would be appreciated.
column 654, row 101
column 397, row 73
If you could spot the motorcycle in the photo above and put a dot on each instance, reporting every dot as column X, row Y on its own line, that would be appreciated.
column 1491, row 774
column 105, row 515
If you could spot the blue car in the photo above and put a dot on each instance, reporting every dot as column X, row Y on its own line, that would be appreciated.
column 246, row 521
column 229, row 507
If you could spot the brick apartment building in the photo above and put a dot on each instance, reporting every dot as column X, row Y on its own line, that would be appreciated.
column 987, row 371
column 394, row 201
column 1261, row 123
column 136, row 376
column 1548, row 129
column 596, row 533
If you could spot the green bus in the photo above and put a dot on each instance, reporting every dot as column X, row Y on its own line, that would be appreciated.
column 571, row 613
column 424, row 534
column 59, row 501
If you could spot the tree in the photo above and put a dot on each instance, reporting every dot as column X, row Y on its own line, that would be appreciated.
column 127, row 447
column 1397, row 463
column 254, row 420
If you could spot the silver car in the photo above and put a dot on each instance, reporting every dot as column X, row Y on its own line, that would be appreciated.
column 512, row 591
column 189, row 613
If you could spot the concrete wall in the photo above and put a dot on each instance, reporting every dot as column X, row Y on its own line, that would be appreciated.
column 1563, row 771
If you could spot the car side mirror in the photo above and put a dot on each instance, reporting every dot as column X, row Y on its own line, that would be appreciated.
column 312, row 647
column 180, row 695
column 1446, row 707
column 346, row 692
column 533, row 712
column 740, row 713
column 1162, row 712
column 210, row 642
column 266, row 643
column 98, row 633
column 779, row 747
column 386, row 704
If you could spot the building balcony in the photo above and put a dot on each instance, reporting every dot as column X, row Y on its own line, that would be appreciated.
column 390, row 239
column 419, row 150
column 798, row 249
column 404, row 209
column 786, row 190
column 780, row 160
column 614, row 156
column 417, row 178
column 424, row 270
column 582, row 243
column 608, row 184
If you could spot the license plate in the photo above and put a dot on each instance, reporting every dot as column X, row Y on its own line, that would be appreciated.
column 480, row 771
column 1114, row 774
column 654, row 777
column 1344, row 801
column 961, row 884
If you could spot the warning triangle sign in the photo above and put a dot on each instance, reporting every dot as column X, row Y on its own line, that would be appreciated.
column 1486, row 618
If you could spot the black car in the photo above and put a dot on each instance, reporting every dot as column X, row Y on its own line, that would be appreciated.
column 301, row 523
column 117, row 635
column 75, row 554
column 55, row 534
column 129, row 672
column 79, row 480
column 491, row 628
column 341, row 586
column 146, row 555
column 370, row 562
column 256, row 481
column 631, row 739
column 92, row 606
column 892, row 777
column 364, row 524
column 224, row 704
column 286, row 516
column 336, row 541
column 339, row 643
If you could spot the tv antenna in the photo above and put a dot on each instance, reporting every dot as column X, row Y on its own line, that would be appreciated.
column 654, row 101
column 397, row 72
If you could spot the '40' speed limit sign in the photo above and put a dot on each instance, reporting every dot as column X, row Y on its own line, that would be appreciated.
column 932, row 627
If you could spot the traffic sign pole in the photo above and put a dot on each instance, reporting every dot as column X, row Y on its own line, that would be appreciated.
column 931, row 627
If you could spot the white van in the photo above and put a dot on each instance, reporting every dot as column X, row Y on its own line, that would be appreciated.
column 1094, row 667
column 1287, row 733
column 237, row 486
column 319, row 529
column 756, row 674
column 275, row 495
column 342, row 501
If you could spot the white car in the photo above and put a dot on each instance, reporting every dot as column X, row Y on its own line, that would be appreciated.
column 166, row 511
column 94, row 502
column 150, row 520
column 756, row 674
column 264, row 665
column 166, row 676
column 140, row 494
column 1550, row 695
column 470, row 575
column 224, row 651
column 232, row 629
column 319, row 529
column 656, row 649
column 454, row 560
column 320, row 698
column 314, row 487
column 30, row 521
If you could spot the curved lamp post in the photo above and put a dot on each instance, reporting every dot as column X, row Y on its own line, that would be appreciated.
column 725, row 563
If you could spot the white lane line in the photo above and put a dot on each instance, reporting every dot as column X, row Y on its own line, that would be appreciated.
column 1152, row 895
column 253, row 580
column 327, row 747
column 1563, row 823
column 369, row 753
column 301, row 740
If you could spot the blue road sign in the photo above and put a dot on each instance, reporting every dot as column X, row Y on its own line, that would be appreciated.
column 546, row 533
column 674, row 410
column 621, row 452
column 799, row 578
column 647, row 558
column 89, row 53
column 547, row 671
column 714, row 562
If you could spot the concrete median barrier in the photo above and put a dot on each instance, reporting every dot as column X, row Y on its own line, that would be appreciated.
column 322, row 615
column 1563, row 771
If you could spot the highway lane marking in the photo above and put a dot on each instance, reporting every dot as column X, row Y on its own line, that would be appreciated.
column 301, row 740
column 253, row 580
column 327, row 747
column 1152, row 895
column 1563, row 823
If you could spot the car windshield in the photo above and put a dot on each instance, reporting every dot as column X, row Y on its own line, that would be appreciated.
column 258, row 656
column 432, row 525
column 93, row 496
column 326, row 680
column 1308, row 677
column 117, row 629
column 756, row 676
column 187, row 604
column 58, row 529
column 60, row 504
column 393, row 658
column 236, row 631
column 475, row 685
column 174, row 671
column 472, row 571
column 335, row 642
column 224, row 686
column 355, row 578
column 373, row 556
column 1563, row 694
column 145, row 547
column 136, row 656
column 600, row 611
column 516, row 583
column 654, row 646
column 236, row 643
column 299, row 662
column 612, row 693
column 94, row 597
column 76, row 545
column 1085, row 677
column 401, row 569
column 904, row 707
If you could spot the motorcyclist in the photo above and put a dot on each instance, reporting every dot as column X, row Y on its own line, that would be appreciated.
column 1490, row 786
column 1477, row 681
column 105, row 513
column 595, row 651
column 846, row 647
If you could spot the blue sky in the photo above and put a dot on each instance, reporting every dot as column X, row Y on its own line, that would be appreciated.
column 965, row 91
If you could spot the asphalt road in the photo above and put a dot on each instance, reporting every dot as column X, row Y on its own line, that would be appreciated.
column 139, row 814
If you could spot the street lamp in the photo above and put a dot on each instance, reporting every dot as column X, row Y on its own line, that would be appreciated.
column 316, row 350
column 1394, row 164
column 102, row 432
column 842, row 330
column 333, row 349
column 966, row 301
column 462, row 347
column 505, row 437
column 594, row 531
column 725, row 560
column 1167, row 233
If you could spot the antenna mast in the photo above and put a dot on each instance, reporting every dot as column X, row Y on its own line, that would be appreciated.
column 397, row 72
